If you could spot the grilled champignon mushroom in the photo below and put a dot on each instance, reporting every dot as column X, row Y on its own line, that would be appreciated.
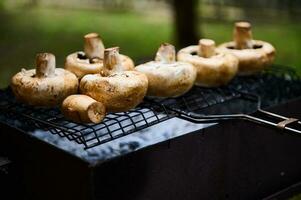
column 118, row 90
column 213, row 69
column 45, row 85
column 91, row 60
column 166, row 77
column 253, row 55
column 83, row 109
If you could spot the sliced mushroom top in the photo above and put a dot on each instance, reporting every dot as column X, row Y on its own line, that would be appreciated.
column 46, row 85
column 253, row 55
column 117, row 89
column 167, row 77
column 213, row 68
column 91, row 60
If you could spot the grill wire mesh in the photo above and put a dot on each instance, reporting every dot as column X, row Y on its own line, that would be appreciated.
column 273, row 86
column 115, row 125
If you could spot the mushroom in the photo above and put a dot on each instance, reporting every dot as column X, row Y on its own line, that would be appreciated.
column 117, row 89
column 83, row 109
column 166, row 76
column 91, row 60
column 45, row 85
column 213, row 69
column 253, row 55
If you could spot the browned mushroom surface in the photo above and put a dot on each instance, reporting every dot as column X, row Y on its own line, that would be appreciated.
column 83, row 109
column 91, row 60
column 45, row 85
column 213, row 68
column 253, row 55
column 117, row 89
column 166, row 76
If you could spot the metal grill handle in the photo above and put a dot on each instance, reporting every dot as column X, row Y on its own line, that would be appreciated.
column 283, row 124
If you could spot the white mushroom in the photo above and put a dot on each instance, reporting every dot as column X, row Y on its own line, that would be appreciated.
column 91, row 60
column 213, row 69
column 45, row 85
column 166, row 77
column 253, row 55
column 118, row 90
column 83, row 109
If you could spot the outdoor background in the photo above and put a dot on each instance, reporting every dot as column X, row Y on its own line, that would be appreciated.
column 138, row 27
column 28, row 27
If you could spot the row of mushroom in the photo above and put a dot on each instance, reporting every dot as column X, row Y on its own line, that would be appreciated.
column 98, row 80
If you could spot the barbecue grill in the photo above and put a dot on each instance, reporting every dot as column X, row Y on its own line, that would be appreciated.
column 149, row 153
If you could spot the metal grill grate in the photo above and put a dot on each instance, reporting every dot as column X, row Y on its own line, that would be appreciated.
column 198, row 99
column 114, row 126
column 273, row 86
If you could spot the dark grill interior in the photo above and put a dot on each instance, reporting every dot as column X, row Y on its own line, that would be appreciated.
column 153, row 111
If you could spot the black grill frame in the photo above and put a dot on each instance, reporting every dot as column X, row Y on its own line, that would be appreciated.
column 153, row 110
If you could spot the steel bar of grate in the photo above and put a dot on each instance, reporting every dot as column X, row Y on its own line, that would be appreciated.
column 114, row 126
column 273, row 86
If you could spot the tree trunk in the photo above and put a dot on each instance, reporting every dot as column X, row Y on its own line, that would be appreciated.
column 293, row 9
column 186, row 22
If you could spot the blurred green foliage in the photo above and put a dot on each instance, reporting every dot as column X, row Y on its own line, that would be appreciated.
column 25, row 32
column 297, row 197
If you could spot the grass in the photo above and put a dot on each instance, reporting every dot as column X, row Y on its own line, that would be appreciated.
column 59, row 31
column 297, row 197
column 23, row 33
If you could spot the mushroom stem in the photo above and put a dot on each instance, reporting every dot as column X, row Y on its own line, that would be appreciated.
column 93, row 46
column 206, row 48
column 45, row 65
column 83, row 109
column 243, row 35
column 112, row 59
column 166, row 53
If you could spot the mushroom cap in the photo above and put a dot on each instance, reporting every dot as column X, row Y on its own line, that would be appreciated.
column 214, row 71
column 119, row 92
column 252, row 60
column 168, row 79
column 45, row 91
column 81, row 67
